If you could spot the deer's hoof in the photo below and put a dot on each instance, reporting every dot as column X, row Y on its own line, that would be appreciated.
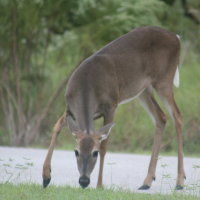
column 144, row 187
column 46, row 182
column 179, row 187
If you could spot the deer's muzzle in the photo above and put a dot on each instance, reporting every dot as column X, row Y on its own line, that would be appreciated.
column 84, row 181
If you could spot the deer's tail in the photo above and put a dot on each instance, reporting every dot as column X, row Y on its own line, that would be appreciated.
column 176, row 78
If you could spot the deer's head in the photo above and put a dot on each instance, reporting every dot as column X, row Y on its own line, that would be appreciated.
column 87, row 149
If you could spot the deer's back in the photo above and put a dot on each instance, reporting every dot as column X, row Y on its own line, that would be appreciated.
column 129, row 63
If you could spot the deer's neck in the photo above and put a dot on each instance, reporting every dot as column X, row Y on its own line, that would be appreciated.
column 82, row 107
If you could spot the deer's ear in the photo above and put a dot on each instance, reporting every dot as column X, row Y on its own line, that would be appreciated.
column 72, row 125
column 105, row 130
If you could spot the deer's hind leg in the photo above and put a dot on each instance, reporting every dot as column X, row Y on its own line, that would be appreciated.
column 46, row 174
column 159, row 119
column 166, row 93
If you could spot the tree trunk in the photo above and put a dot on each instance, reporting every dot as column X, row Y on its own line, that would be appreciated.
column 34, row 133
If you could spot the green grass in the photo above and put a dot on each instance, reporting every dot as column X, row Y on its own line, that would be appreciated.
column 36, row 192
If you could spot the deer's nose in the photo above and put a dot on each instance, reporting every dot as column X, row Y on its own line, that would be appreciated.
column 84, row 181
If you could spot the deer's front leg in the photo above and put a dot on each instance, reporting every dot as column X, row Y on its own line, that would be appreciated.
column 102, row 155
column 47, row 163
column 108, row 118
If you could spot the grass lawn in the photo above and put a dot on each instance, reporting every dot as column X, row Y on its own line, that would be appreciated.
column 36, row 192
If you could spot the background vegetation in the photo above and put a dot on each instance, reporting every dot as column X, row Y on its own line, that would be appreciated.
column 42, row 41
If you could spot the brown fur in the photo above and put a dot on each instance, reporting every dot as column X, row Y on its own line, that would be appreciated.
column 129, row 66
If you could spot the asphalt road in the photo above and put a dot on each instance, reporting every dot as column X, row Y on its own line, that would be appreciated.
column 127, row 171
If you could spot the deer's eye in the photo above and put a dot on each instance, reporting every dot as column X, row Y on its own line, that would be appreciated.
column 76, row 152
column 95, row 154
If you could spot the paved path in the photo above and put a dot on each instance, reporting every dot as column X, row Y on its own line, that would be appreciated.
column 120, row 171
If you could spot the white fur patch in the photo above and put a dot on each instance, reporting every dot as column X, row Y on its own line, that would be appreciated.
column 178, row 36
column 168, row 109
column 176, row 78
column 132, row 98
column 145, row 106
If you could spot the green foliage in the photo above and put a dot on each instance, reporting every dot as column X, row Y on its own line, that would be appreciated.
column 46, row 40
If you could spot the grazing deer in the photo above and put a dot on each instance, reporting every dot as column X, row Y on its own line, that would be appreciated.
column 131, row 66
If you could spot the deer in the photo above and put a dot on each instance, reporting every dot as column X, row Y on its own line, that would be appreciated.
column 138, row 64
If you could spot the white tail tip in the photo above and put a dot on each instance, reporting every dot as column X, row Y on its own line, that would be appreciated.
column 178, row 36
column 176, row 78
